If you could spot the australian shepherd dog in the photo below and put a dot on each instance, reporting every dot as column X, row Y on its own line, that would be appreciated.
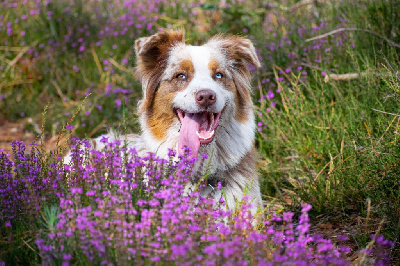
column 200, row 97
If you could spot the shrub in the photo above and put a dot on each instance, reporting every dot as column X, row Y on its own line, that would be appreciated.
column 113, row 206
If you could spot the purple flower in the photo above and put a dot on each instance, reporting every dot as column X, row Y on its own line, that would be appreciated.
column 342, row 237
column 91, row 193
column 287, row 216
column 305, row 207
column 126, row 208
column 76, row 190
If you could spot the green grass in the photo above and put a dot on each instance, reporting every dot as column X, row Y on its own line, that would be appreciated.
column 323, row 143
column 327, row 146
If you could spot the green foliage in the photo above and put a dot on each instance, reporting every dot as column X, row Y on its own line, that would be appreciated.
column 64, row 63
column 50, row 217
column 327, row 145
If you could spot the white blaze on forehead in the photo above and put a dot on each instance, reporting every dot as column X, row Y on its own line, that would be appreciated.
column 200, row 57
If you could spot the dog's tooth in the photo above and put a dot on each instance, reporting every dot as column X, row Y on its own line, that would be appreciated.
column 210, row 136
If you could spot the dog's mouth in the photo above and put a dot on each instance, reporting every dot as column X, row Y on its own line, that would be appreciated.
column 197, row 128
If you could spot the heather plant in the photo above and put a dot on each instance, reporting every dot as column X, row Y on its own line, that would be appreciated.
column 117, row 207
column 26, row 183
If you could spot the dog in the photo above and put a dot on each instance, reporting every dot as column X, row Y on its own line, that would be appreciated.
column 200, row 97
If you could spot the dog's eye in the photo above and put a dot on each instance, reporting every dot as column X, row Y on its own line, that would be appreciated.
column 181, row 76
column 218, row 75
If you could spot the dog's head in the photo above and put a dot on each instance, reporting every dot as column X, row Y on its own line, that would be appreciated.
column 191, row 92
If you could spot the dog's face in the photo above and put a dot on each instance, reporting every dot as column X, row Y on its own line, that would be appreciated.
column 196, row 96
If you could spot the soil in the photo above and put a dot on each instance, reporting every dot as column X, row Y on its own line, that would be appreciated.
column 10, row 131
column 26, row 130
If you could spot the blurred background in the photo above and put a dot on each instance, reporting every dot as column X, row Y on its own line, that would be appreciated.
column 326, row 96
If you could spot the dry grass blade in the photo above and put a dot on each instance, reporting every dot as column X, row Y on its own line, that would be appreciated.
column 19, row 55
column 384, row 112
column 360, row 260
column 353, row 29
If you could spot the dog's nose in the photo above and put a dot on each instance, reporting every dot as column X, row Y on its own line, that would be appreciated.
column 206, row 98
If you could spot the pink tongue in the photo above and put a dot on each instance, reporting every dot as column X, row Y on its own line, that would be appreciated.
column 187, row 136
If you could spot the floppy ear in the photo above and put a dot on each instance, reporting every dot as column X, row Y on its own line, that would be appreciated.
column 152, row 56
column 239, row 52
column 238, row 49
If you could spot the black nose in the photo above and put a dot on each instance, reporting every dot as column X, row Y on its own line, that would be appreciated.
column 206, row 98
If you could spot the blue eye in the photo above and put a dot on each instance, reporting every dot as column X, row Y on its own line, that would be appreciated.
column 218, row 76
column 181, row 76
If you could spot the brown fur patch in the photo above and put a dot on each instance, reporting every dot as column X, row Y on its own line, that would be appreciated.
column 187, row 67
column 214, row 67
column 160, row 112
column 152, row 55
column 243, row 106
column 238, row 48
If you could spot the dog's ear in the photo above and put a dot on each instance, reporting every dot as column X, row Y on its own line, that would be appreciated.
column 238, row 49
column 152, row 56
